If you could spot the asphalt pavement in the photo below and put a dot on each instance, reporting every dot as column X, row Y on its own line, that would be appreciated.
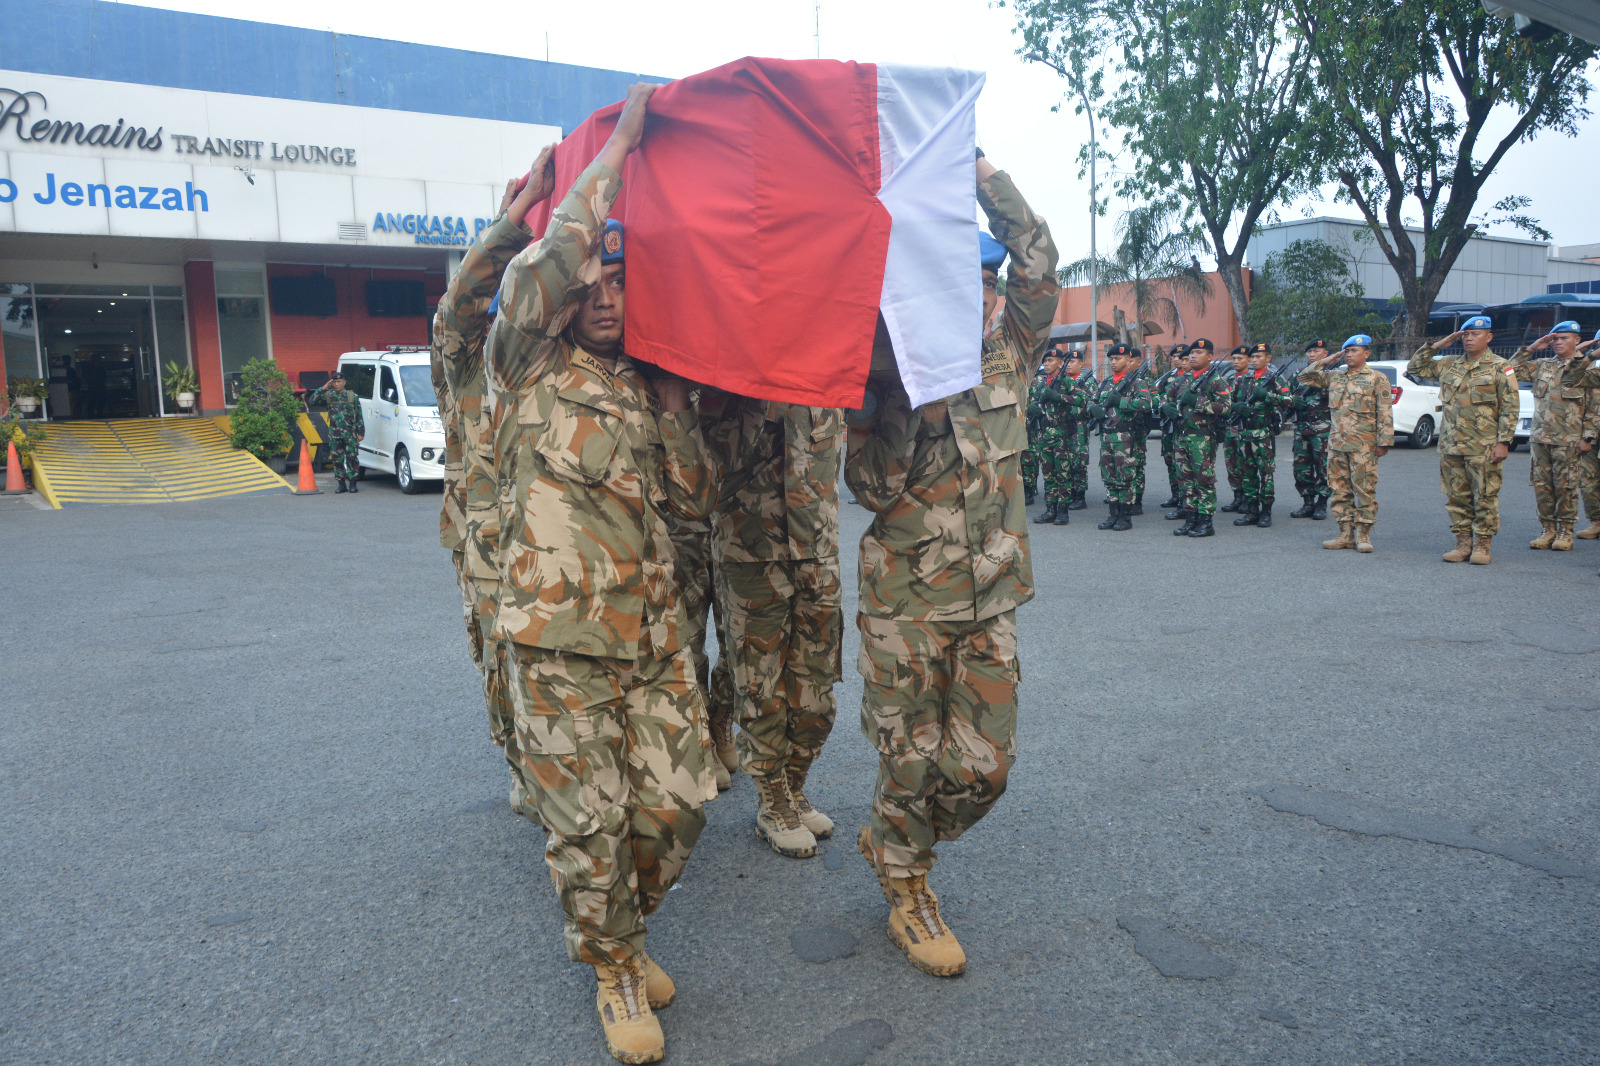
column 1274, row 804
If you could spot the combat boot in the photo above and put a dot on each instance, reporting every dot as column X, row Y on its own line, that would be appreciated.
column 777, row 822
column 351, row 482
column 1563, row 541
column 820, row 824
column 1321, row 510
column 1233, row 504
column 1589, row 532
column 1062, row 517
column 659, row 991
column 1176, row 513
column 915, row 924
column 633, row 1033
column 1307, row 505
column 1463, row 548
column 1480, row 551
column 1121, row 525
column 1248, row 513
column 338, row 485
column 1190, row 519
column 1077, row 503
column 1173, row 501
column 1364, row 538
column 1203, row 527
column 722, row 737
column 724, row 778
column 1113, row 518
column 1135, row 510
column 1345, row 539
column 1027, row 497
column 1264, row 518
column 1545, row 538
column 1047, row 517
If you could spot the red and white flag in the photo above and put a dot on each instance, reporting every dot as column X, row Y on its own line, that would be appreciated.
column 776, row 206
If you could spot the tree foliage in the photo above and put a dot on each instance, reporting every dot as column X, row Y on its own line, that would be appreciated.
column 1153, row 266
column 267, row 408
column 1409, row 92
column 1308, row 292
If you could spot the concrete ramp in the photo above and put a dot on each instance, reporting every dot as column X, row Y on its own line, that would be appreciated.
column 146, row 460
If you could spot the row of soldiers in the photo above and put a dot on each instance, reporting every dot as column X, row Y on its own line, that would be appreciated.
column 602, row 514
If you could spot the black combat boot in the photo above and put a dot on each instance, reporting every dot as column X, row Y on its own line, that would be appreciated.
column 1048, row 516
column 1136, row 509
column 1190, row 519
column 1265, row 518
column 1307, row 505
column 1247, row 514
column 351, row 482
column 1110, row 519
column 1062, row 518
column 1177, row 512
column 1202, row 527
column 1027, row 497
column 1320, row 511
column 1170, row 501
column 339, row 485
column 1233, row 504
column 1122, row 525
column 1077, row 503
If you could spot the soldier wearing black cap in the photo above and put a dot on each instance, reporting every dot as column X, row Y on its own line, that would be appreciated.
column 1312, row 422
column 1119, row 409
column 1260, row 399
column 1238, row 364
column 345, row 430
column 1164, row 391
column 1198, row 411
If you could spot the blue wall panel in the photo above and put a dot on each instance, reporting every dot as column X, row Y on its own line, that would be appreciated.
column 148, row 46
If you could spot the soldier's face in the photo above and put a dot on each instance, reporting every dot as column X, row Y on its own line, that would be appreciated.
column 991, row 295
column 1356, row 358
column 1239, row 360
column 1259, row 360
column 598, row 324
column 1476, row 341
column 1199, row 358
column 1052, row 363
column 1566, row 345
column 338, row 384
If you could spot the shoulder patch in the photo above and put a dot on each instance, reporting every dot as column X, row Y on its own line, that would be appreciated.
column 997, row 362
column 593, row 365
column 1510, row 373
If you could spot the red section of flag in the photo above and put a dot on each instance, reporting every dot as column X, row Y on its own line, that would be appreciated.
column 755, row 240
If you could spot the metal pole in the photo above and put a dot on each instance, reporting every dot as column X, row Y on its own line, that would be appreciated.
column 816, row 19
column 1094, row 254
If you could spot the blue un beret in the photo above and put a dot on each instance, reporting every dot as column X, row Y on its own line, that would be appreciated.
column 611, row 242
column 494, row 304
column 991, row 253
column 1477, row 322
column 1359, row 340
column 1569, row 326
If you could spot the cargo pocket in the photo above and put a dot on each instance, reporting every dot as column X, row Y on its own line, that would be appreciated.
column 548, row 747
column 575, row 432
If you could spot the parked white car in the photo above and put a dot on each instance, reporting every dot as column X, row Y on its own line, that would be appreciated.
column 1417, row 411
column 404, row 434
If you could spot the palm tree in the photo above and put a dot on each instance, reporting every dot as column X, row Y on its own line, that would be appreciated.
column 1154, row 265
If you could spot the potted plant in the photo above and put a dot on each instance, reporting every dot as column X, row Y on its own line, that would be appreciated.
column 181, row 385
column 266, row 409
column 22, row 432
column 28, row 393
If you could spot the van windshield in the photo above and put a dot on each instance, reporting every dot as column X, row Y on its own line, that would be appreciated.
column 417, row 385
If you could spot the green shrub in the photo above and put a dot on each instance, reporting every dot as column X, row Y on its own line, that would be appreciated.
column 267, row 408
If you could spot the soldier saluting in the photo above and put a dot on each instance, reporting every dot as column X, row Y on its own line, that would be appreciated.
column 1359, row 402
column 1198, row 411
column 346, row 430
column 1311, row 425
column 1561, row 389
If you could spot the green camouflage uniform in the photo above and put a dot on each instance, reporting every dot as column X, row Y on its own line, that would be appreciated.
column 945, row 564
column 345, row 429
column 1259, row 403
column 1052, row 402
column 472, row 490
column 1120, row 407
column 1140, row 431
column 1030, row 457
column 775, row 549
column 1481, row 406
column 1311, row 426
column 611, row 727
column 1558, row 425
column 1167, row 392
column 1078, row 430
column 1202, row 404
column 1360, row 404
column 1232, row 455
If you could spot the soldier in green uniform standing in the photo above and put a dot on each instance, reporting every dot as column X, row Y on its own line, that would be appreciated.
column 944, row 566
column 1082, row 380
column 1198, row 412
column 1260, row 398
column 1119, row 409
column 1165, row 391
column 1478, row 391
column 1232, row 460
column 1561, row 389
column 1311, row 426
column 1051, row 405
column 1031, row 458
column 346, row 429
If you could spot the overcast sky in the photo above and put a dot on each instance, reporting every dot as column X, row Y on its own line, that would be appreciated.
column 1015, row 123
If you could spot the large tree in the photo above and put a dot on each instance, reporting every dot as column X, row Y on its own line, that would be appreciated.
column 1308, row 292
column 1212, row 98
column 1153, row 265
column 1415, row 90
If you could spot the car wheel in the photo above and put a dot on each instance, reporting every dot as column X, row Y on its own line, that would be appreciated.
column 1422, row 433
column 402, row 472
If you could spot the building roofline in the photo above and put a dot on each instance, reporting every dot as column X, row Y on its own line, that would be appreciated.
column 1356, row 223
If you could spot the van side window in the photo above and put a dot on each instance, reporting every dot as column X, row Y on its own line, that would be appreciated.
column 358, row 379
column 386, row 386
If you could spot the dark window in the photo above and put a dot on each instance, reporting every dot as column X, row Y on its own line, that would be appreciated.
column 418, row 382
column 359, row 378
column 1388, row 372
column 396, row 299
column 303, row 296
column 386, row 386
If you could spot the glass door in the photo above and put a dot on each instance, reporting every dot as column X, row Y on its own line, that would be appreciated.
column 101, row 357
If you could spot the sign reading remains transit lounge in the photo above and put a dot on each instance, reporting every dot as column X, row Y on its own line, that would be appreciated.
column 93, row 157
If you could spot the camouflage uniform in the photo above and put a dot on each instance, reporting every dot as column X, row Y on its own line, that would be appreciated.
column 1165, row 393
column 1260, row 398
column 1077, row 433
column 345, row 429
column 1360, row 404
column 1125, row 399
column 1054, row 399
column 1232, row 452
column 1202, row 404
column 472, row 493
column 1030, row 457
column 1589, row 462
column 945, row 564
column 1481, row 406
column 1558, row 426
column 775, row 550
column 1139, row 431
column 610, row 725
column 1311, row 426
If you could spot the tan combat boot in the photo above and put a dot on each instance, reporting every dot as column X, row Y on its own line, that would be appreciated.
column 1545, row 537
column 1364, row 538
column 1563, row 541
column 1590, row 532
column 722, row 736
column 1480, row 551
column 724, row 779
column 1463, row 548
column 633, row 1033
column 777, row 822
column 914, row 922
column 820, row 824
column 659, row 991
column 1345, row 539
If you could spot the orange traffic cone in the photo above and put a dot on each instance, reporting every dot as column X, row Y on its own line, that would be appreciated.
column 14, row 482
column 308, row 478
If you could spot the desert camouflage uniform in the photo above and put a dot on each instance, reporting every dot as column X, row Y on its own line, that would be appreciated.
column 1558, row 426
column 1311, row 425
column 945, row 564
column 1125, row 398
column 1257, row 424
column 610, row 724
column 1360, row 404
column 1052, row 398
column 472, row 496
column 346, row 427
column 1481, row 406
column 1589, row 462
column 1202, row 404
column 775, row 549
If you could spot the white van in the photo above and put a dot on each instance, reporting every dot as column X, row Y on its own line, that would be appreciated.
column 404, row 434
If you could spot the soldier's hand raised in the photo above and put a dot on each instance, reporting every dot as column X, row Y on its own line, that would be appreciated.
column 1448, row 341
column 538, row 183
column 630, row 124
column 1542, row 343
